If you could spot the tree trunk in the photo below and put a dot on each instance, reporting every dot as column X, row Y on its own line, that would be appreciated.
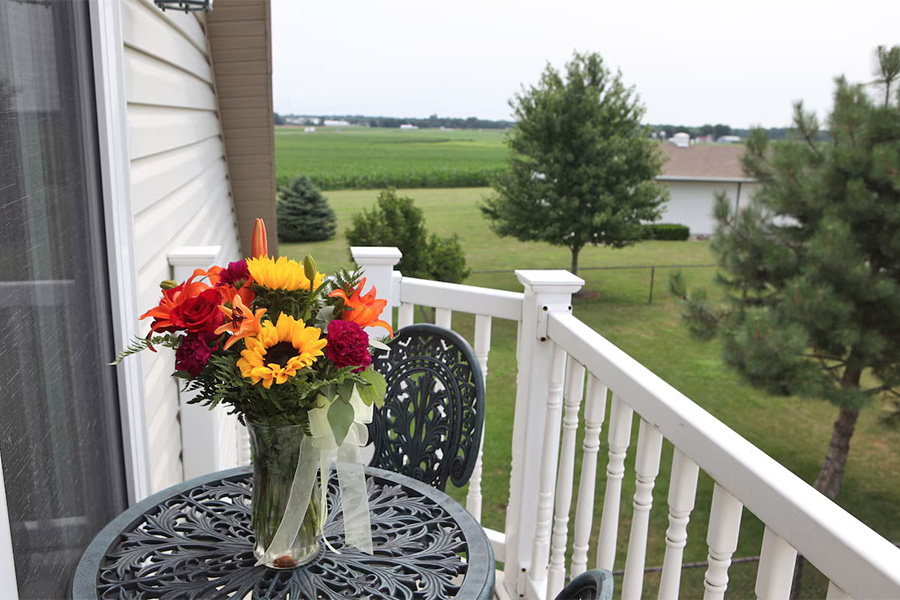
column 575, row 250
column 832, row 474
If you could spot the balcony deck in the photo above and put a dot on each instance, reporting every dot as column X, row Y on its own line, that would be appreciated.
column 566, row 369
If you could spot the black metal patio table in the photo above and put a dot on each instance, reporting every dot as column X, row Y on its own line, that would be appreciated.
column 193, row 540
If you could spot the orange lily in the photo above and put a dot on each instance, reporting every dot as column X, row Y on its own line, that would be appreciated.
column 362, row 310
column 173, row 298
column 259, row 244
column 242, row 322
column 229, row 292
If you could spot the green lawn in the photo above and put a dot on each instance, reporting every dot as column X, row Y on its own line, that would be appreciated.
column 794, row 431
column 363, row 157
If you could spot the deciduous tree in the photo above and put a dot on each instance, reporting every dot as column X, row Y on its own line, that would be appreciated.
column 397, row 221
column 581, row 166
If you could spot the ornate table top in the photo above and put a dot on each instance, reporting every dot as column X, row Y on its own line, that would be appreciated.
column 194, row 540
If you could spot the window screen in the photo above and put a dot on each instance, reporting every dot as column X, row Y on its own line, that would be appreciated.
column 59, row 425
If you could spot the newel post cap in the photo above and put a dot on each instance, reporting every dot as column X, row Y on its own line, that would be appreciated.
column 549, row 281
column 376, row 255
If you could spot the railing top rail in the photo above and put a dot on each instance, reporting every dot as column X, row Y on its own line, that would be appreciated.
column 462, row 298
column 852, row 555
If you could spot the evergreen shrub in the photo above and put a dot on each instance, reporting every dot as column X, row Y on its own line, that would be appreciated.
column 303, row 213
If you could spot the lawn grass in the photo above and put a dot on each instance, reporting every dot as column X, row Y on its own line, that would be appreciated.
column 794, row 431
column 363, row 157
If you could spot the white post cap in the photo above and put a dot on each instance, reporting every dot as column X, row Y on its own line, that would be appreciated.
column 376, row 255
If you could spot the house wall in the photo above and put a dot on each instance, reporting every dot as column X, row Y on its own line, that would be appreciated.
column 691, row 203
column 180, row 189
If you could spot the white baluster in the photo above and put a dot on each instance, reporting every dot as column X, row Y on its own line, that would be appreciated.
column 556, row 577
column 682, row 494
column 594, row 414
column 836, row 593
column 540, row 552
column 443, row 317
column 776, row 567
column 405, row 314
column 724, row 526
column 619, row 437
column 482, row 348
column 646, row 469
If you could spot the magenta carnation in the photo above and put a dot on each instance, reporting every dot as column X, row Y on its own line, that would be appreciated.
column 236, row 273
column 194, row 352
column 348, row 345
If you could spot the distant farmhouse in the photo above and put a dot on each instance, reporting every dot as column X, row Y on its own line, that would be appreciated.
column 694, row 174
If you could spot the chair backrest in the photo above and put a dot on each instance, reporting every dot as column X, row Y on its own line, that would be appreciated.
column 430, row 425
column 596, row 584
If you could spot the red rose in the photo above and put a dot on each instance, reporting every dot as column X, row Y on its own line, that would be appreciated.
column 348, row 345
column 200, row 313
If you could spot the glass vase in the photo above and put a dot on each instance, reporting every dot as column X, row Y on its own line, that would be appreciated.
column 276, row 452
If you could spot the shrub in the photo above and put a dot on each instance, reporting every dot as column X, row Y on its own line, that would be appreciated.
column 397, row 221
column 303, row 213
column 666, row 231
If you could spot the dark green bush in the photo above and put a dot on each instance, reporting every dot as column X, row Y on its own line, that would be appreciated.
column 396, row 221
column 303, row 213
column 666, row 231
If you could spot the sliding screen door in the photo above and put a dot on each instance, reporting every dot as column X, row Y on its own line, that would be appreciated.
column 60, row 436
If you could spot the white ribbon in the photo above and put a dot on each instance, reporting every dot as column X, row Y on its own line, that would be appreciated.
column 317, row 454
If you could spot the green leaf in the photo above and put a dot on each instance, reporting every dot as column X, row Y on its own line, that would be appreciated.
column 324, row 317
column 340, row 417
column 345, row 391
column 375, row 391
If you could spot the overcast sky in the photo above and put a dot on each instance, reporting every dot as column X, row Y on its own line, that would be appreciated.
column 692, row 62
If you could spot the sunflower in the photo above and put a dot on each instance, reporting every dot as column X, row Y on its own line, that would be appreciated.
column 280, row 350
column 282, row 274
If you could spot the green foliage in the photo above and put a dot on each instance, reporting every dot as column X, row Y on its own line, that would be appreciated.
column 284, row 404
column 666, row 231
column 374, row 158
column 303, row 213
column 397, row 221
column 811, row 268
column 581, row 167
column 139, row 343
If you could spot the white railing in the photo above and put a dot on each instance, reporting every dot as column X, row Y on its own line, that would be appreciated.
column 564, row 364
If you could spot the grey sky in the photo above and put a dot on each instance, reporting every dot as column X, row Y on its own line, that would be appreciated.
column 692, row 61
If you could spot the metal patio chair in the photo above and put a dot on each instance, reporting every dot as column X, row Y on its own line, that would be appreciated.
column 431, row 423
column 596, row 584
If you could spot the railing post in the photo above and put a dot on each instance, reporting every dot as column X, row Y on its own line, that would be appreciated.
column 377, row 264
column 545, row 292
column 209, row 438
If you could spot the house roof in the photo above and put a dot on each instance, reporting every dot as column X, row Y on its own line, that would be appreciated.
column 703, row 162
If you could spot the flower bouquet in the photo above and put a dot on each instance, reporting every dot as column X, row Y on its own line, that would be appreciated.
column 284, row 347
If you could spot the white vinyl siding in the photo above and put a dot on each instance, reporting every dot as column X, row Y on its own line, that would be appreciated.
column 180, row 191
column 691, row 203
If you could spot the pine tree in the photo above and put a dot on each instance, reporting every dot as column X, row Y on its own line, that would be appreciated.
column 811, row 268
column 303, row 213
column 581, row 167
